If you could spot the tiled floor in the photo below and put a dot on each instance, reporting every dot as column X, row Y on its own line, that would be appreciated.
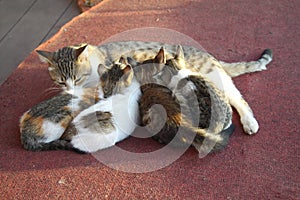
column 24, row 24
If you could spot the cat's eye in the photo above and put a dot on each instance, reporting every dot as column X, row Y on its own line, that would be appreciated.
column 62, row 84
column 78, row 80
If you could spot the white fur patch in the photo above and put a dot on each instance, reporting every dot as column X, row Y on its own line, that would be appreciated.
column 52, row 131
column 90, row 143
column 125, row 113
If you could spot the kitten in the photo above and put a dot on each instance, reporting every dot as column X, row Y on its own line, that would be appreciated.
column 42, row 126
column 194, row 97
column 113, row 118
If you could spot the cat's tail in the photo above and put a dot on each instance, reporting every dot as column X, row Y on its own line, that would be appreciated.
column 217, row 143
column 42, row 146
column 239, row 68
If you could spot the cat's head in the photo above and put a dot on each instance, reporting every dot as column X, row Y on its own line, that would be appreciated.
column 116, row 77
column 68, row 67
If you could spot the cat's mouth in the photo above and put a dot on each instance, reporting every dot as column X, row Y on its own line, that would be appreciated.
column 73, row 90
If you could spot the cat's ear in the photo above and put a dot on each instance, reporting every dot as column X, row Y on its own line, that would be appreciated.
column 179, row 53
column 128, row 74
column 80, row 50
column 160, row 57
column 179, row 57
column 45, row 56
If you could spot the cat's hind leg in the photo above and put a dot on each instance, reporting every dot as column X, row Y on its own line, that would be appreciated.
column 239, row 68
column 95, row 130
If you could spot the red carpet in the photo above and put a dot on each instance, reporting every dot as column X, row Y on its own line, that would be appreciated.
column 264, row 166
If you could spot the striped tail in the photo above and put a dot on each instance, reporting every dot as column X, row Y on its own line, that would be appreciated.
column 239, row 68
column 41, row 146
column 218, row 145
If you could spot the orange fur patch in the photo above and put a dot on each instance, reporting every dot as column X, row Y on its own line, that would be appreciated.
column 37, row 123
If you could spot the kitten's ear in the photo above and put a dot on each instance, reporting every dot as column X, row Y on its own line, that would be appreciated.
column 160, row 57
column 131, row 61
column 80, row 50
column 123, row 61
column 128, row 75
column 45, row 56
column 101, row 69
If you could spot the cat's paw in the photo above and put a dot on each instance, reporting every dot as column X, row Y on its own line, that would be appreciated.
column 250, row 125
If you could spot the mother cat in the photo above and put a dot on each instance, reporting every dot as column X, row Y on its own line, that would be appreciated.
column 218, row 72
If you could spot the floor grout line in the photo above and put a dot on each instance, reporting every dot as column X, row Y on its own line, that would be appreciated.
column 13, row 26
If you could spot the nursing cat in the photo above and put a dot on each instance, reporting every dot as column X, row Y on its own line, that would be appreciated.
column 195, row 111
column 113, row 118
column 218, row 72
column 42, row 127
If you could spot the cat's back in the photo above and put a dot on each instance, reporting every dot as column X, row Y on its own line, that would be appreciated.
column 141, row 51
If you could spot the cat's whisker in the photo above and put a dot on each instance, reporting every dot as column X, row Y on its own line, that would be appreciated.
column 51, row 90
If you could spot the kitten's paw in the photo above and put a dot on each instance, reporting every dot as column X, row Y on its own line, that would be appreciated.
column 250, row 125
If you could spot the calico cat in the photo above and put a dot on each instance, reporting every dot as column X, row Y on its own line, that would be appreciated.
column 113, row 118
column 71, row 68
column 210, row 112
column 43, row 126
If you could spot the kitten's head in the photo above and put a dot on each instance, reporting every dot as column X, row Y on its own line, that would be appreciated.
column 178, row 61
column 68, row 66
column 115, row 78
column 159, row 68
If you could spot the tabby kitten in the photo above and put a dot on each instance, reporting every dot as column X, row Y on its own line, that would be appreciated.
column 42, row 126
column 209, row 111
column 113, row 118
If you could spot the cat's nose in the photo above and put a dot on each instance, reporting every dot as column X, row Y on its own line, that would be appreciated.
column 70, row 87
column 70, row 84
